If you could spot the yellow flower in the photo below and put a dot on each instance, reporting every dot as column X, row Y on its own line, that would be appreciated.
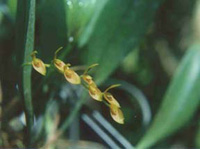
column 58, row 63
column 95, row 93
column 70, row 75
column 116, row 114
column 38, row 64
column 109, row 97
column 87, row 78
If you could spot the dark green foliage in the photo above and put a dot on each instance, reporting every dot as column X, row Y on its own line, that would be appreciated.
column 117, row 32
column 142, row 42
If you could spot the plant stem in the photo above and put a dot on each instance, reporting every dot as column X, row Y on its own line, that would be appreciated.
column 68, row 121
column 73, row 114
column 29, row 44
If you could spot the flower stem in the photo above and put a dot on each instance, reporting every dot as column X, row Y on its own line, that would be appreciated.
column 29, row 44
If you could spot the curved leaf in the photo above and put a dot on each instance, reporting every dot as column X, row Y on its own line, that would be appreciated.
column 119, row 28
column 180, row 102
column 137, row 95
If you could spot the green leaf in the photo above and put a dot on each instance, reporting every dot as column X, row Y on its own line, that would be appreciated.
column 52, row 27
column 12, row 5
column 88, row 29
column 78, row 15
column 119, row 28
column 180, row 101
column 29, row 45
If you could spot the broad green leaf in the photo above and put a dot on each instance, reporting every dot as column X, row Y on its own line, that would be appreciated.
column 119, row 28
column 180, row 101
column 52, row 27
column 79, row 13
column 88, row 29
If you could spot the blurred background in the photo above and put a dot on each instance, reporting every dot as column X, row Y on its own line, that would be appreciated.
column 150, row 47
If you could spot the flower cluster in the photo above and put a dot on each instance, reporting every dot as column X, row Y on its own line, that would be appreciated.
column 85, row 79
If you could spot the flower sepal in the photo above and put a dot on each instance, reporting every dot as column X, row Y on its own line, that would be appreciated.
column 71, row 76
column 116, row 114
column 38, row 64
column 109, row 97
column 59, row 64
column 95, row 92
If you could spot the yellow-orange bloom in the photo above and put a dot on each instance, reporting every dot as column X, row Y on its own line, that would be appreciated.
column 58, row 63
column 116, row 114
column 71, row 76
column 95, row 93
column 88, row 79
column 38, row 64
column 109, row 97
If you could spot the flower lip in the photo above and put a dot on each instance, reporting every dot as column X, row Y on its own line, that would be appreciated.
column 67, row 66
column 33, row 54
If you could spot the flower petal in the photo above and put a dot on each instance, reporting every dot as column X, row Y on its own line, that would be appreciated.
column 112, row 86
column 71, row 76
column 95, row 93
column 116, row 114
column 89, row 68
column 59, row 65
column 110, row 99
column 39, row 66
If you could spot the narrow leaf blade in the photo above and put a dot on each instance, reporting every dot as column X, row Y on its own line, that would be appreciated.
column 180, row 102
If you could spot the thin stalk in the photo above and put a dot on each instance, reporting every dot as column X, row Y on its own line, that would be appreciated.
column 68, row 121
column 29, row 44
column 73, row 114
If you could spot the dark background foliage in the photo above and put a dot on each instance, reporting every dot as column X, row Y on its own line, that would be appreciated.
column 152, row 45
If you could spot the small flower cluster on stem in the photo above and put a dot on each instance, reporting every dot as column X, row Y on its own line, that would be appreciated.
column 85, row 80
